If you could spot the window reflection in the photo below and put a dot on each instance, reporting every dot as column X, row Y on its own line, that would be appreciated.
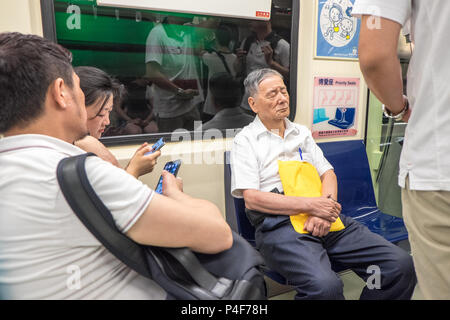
column 177, row 70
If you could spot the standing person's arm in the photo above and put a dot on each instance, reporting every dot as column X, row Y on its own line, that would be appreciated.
column 154, row 74
column 379, row 62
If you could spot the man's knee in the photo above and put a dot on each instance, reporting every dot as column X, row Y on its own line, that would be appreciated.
column 400, row 270
column 322, row 288
column 403, row 264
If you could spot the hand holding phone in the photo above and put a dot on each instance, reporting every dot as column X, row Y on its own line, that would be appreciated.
column 172, row 167
column 158, row 145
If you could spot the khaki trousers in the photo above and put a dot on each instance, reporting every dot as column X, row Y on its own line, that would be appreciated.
column 427, row 218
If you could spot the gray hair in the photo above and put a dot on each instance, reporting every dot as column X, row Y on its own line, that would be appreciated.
column 254, row 78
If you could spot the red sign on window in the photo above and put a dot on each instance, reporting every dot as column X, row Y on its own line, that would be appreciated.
column 263, row 14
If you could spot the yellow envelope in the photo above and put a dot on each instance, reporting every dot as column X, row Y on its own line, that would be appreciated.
column 301, row 179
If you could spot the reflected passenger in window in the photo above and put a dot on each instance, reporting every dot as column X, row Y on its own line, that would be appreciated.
column 172, row 67
column 218, row 59
column 226, row 96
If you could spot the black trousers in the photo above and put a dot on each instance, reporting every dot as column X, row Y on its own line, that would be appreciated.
column 305, row 260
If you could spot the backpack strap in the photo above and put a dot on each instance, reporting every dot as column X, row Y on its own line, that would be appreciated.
column 91, row 211
column 224, row 61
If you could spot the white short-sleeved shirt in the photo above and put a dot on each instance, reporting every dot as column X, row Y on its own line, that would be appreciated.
column 177, row 60
column 426, row 152
column 45, row 251
column 256, row 150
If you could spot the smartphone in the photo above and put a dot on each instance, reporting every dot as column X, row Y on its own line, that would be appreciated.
column 158, row 145
column 172, row 167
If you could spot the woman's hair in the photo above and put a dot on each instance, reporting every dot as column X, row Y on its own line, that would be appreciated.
column 97, row 84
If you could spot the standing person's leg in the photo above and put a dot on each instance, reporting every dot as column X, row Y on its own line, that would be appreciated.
column 300, row 258
column 427, row 218
column 387, row 269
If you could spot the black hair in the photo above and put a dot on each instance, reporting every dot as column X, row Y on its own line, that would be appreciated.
column 226, row 90
column 28, row 66
column 97, row 84
column 223, row 35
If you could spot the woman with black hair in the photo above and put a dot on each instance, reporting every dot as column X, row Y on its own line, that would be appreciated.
column 102, row 92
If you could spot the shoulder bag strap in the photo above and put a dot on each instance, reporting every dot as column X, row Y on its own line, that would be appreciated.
column 95, row 216
column 224, row 61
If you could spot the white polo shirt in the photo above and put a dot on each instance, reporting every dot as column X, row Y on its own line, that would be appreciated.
column 178, row 62
column 426, row 150
column 45, row 251
column 256, row 150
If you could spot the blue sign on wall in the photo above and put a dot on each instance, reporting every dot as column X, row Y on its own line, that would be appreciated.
column 337, row 31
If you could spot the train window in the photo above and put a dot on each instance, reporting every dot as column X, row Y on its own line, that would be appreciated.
column 180, row 71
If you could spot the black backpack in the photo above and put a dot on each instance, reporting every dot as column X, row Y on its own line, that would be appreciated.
column 233, row 274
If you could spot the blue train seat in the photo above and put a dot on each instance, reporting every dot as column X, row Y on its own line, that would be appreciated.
column 355, row 194
column 355, row 189
column 343, row 119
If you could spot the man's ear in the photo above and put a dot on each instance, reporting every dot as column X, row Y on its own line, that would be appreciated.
column 252, row 104
column 58, row 92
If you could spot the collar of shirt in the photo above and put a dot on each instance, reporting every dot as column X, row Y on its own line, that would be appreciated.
column 259, row 128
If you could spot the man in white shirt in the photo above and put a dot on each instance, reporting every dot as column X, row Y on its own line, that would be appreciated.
column 304, row 259
column 171, row 66
column 45, row 251
column 425, row 159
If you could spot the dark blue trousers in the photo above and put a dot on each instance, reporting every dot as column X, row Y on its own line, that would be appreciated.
column 305, row 260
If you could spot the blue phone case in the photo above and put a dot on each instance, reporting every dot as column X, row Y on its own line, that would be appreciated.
column 158, row 145
column 172, row 167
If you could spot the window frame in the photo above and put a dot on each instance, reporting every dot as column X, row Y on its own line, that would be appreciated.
column 49, row 32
